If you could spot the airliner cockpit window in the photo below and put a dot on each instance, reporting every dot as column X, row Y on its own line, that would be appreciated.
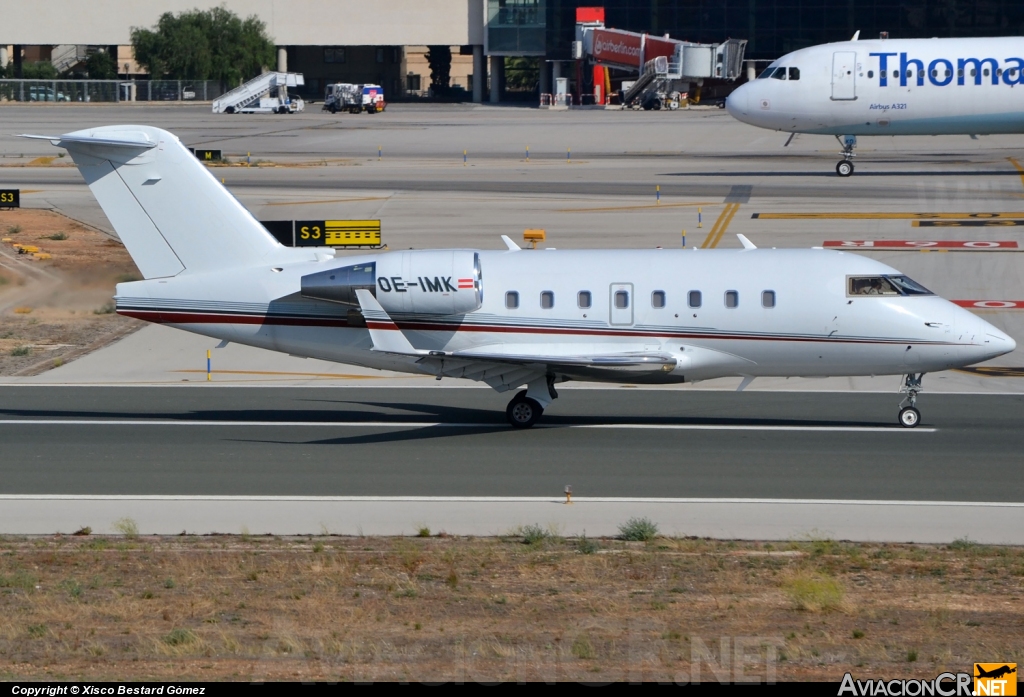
column 794, row 73
column 767, row 72
column 779, row 74
column 885, row 285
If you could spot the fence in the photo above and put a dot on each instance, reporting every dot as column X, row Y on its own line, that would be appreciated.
column 110, row 90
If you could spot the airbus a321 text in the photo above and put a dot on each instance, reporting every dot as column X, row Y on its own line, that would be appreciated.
column 889, row 87
column 511, row 318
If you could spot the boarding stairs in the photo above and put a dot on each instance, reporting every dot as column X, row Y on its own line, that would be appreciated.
column 653, row 78
column 250, row 93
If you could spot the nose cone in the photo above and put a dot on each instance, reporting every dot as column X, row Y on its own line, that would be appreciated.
column 982, row 341
column 737, row 103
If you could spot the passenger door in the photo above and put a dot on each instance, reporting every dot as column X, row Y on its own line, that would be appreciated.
column 844, row 73
column 621, row 304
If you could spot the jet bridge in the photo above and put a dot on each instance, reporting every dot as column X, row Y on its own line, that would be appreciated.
column 660, row 61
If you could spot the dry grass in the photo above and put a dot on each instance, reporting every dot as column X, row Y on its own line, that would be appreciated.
column 330, row 608
column 54, row 310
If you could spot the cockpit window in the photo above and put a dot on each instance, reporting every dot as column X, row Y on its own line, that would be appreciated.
column 794, row 73
column 768, row 72
column 779, row 74
column 908, row 286
column 884, row 285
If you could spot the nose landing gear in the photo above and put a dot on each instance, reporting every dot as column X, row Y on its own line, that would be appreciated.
column 845, row 166
column 909, row 415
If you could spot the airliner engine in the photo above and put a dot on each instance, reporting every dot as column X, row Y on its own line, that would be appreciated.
column 420, row 282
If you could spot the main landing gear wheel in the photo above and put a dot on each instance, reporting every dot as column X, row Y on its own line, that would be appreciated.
column 844, row 168
column 909, row 417
column 522, row 411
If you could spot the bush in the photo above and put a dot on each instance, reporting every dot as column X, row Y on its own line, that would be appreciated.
column 586, row 546
column 582, row 648
column 127, row 527
column 21, row 351
column 180, row 637
column 815, row 592
column 638, row 530
column 57, row 236
column 423, row 532
column 534, row 534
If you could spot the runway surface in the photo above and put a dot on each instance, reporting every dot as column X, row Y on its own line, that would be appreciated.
column 622, row 442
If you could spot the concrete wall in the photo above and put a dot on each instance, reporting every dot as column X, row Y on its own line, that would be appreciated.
column 289, row 22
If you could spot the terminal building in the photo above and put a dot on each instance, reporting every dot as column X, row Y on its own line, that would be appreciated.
column 386, row 42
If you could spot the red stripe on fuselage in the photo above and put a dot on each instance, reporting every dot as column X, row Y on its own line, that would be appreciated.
column 165, row 317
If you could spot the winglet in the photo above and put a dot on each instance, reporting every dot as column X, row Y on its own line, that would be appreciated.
column 747, row 244
column 512, row 246
column 384, row 333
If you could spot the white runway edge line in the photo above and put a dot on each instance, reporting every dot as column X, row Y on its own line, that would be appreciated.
column 441, row 424
column 497, row 499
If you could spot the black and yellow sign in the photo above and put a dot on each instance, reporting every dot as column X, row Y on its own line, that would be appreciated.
column 995, row 679
column 998, row 222
column 337, row 233
column 10, row 198
column 282, row 230
column 208, row 155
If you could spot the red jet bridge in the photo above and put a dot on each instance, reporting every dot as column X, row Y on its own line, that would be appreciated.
column 659, row 60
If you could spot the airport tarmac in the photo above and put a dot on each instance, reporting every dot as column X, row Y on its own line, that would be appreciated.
column 593, row 179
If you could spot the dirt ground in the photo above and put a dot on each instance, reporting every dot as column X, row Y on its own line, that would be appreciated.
column 444, row 609
column 54, row 310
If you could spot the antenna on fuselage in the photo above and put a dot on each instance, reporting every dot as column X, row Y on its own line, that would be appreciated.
column 856, row 35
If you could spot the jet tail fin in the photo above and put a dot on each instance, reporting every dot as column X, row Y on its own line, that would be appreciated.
column 171, row 213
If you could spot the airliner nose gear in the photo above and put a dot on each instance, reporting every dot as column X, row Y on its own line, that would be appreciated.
column 909, row 415
column 845, row 166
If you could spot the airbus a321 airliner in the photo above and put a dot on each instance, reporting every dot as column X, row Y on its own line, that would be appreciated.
column 511, row 318
column 921, row 87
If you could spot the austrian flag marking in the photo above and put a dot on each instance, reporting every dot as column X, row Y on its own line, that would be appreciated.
column 465, row 284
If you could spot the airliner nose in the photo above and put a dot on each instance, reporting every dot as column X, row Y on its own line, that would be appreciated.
column 737, row 102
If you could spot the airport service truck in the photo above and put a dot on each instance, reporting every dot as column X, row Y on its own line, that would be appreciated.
column 343, row 96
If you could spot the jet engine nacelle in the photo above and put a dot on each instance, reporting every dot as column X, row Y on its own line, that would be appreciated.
column 420, row 282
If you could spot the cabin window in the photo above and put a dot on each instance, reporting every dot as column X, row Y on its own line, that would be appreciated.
column 694, row 298
column 999, row 72
column 1013, row 72
column 895, row 73
column 935, row 73
column 794, row 73
column 621, row 299
column 768, row 298
column 512, row 300
column 779, row 74
column 985, row 72
column 583, row 299
column 909, row 73
column 959, row 72
column 885, row 285
column 732, row 298
column 547, row 299
column 658, row 299
column 881, row 74
column 871, row 73
column 974, row 73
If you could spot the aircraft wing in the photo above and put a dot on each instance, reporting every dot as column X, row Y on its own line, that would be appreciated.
column 506, row 367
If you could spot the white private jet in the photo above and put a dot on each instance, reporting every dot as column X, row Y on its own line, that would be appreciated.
column 512, row 317
column 889, row 87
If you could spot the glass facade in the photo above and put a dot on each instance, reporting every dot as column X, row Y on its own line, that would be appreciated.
column 517, row 27
column 776, row 27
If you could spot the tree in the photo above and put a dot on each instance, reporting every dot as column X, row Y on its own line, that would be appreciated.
column 101, row 66
column 522, row 74
column 41, row 70
column 439, row 58
column 204, row 45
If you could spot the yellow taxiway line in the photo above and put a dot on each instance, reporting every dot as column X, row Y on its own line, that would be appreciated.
column 720, row 226
column 887, row 216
